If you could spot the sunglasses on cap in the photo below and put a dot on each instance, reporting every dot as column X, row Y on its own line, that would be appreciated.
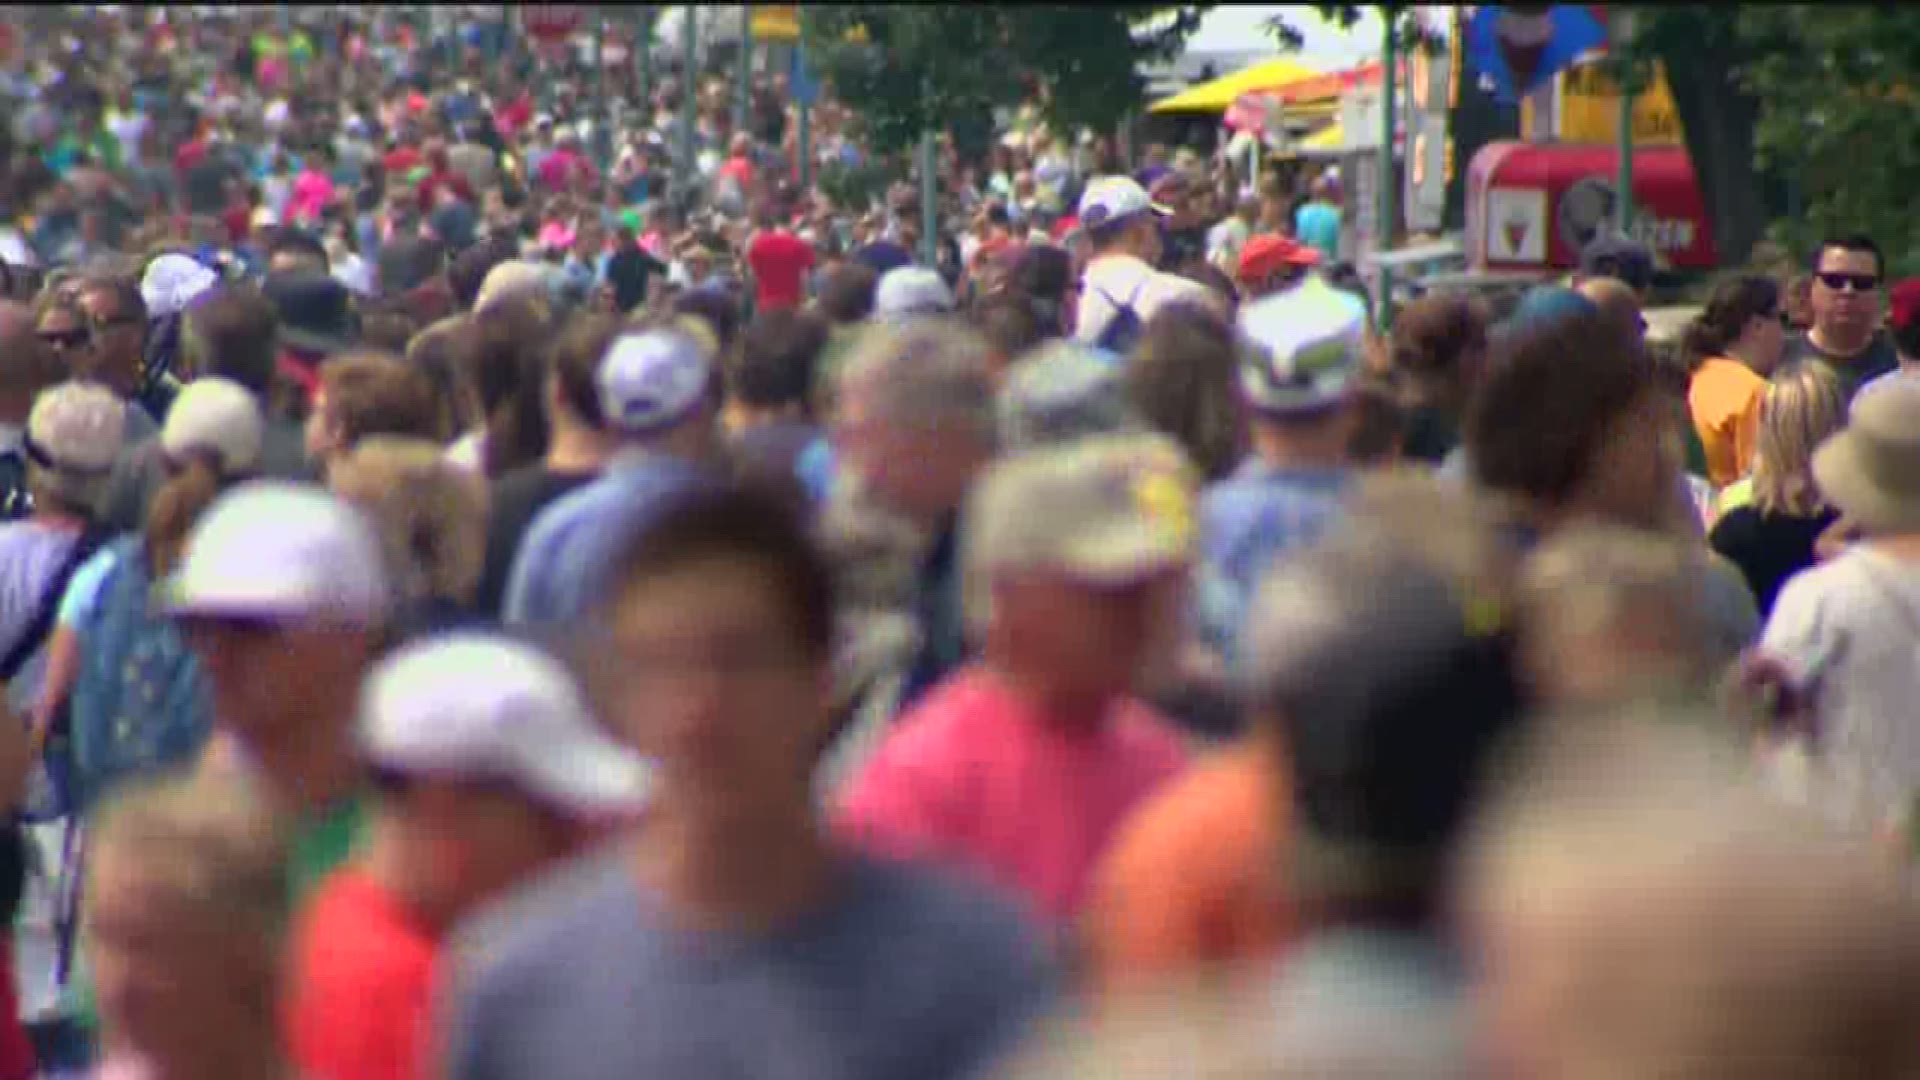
column 1841, row 282
column 77, row 338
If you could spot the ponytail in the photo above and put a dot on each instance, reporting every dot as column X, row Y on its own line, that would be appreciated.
column 176, row 507
column 1735, row 302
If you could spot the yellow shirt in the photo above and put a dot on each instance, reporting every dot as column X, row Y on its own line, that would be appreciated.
column 1724, row 400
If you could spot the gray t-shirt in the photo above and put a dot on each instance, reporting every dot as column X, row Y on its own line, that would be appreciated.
column 903, row 975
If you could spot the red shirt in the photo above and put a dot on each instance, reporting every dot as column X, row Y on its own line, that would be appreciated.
column 975, row 775
column 363, row 980
column 431, row 184
column 740, row 169
column 779, row 261
column 191, row 153
column 400, row 161
column 514, row 115
column 238, row 220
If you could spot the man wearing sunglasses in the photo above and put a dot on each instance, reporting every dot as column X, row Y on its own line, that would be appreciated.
column 117, row 319
column 1847, row 314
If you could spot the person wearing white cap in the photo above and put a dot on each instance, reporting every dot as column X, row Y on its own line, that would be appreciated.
column 1121, row 288
column 659, row 400
column 1300, row 354
column 731, row 936
column 910, row 291
column 283, row 596
column 490, row 770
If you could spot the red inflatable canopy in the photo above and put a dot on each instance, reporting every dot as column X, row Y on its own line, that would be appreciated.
column 1533, row 206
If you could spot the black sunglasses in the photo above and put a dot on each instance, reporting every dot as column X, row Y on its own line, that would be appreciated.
column 76, row 338
column 1852, row 282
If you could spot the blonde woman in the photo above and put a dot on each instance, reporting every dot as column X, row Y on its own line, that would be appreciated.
column 431, row 515
column 1772, row 537
column 186, row 902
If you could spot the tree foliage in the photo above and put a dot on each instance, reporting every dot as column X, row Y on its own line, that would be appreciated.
column 941, row 66
column 1410, row 31
column 1836, row 88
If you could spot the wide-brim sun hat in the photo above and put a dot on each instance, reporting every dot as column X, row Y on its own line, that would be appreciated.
column 1870, row 470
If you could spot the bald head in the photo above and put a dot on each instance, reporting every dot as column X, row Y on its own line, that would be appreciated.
column 1616, row 300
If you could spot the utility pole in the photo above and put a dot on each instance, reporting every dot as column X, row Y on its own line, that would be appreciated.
column 1622, row 44
column 683, row 169
column 644, row 56
column 743, row 93
column 803, row 134
column 1389, row 124
column 602, row 114
column 929, row 194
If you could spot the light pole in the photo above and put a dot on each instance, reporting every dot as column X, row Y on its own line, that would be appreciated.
column 602, row 118
column 800, row 80
column 689, row 102
column 744, row 90
column 929, row 192
column 1389, row 122
column 1623, row 28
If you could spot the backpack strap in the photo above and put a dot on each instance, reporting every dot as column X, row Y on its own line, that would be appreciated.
column 35, row 633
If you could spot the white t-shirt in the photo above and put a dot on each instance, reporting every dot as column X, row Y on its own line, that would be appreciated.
column 1224, row 242
column 1115, row 280
column 1848, row 630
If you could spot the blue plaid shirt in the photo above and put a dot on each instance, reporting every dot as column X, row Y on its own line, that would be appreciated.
column 1248, row 522
column 558, row 575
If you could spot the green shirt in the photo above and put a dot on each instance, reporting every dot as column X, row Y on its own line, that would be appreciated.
column 322, row 843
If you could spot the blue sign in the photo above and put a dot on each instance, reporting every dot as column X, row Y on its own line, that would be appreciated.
column 1521, row 46
column 800, row 82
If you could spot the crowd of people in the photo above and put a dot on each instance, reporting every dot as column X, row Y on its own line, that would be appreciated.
column 471, row 612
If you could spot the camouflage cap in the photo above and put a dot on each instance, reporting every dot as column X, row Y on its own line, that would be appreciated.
column 1106, row 509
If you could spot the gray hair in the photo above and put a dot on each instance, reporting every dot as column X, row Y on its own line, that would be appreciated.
column 923, row 371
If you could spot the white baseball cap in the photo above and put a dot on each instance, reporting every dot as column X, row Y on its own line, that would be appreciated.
column 218, row 416
column 481, row 706
column 1108, row 199
column 653, row 379
column 273, row 548
column 173, row 281
column 908, row 291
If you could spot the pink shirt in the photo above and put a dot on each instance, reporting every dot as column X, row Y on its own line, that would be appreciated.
column 973, row 775
column 312, row 192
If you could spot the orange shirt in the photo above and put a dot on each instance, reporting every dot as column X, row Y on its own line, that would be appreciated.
column 1193, row 881
column 363, row 985
column 1724, row 398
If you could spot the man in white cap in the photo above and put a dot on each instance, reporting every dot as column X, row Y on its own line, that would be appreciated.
column 284, row 598
column 911, row 291
column 490, row 770
column 1303, row 352
column 1024, row 766
column 1121, row 288
column 658, row 399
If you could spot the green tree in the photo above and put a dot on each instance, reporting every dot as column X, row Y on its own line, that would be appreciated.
column 1836, row 93
column 1704, row 50
column 950, row 67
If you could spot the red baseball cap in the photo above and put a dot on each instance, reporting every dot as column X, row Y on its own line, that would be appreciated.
column 1266, row 254
column 1903, row 304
